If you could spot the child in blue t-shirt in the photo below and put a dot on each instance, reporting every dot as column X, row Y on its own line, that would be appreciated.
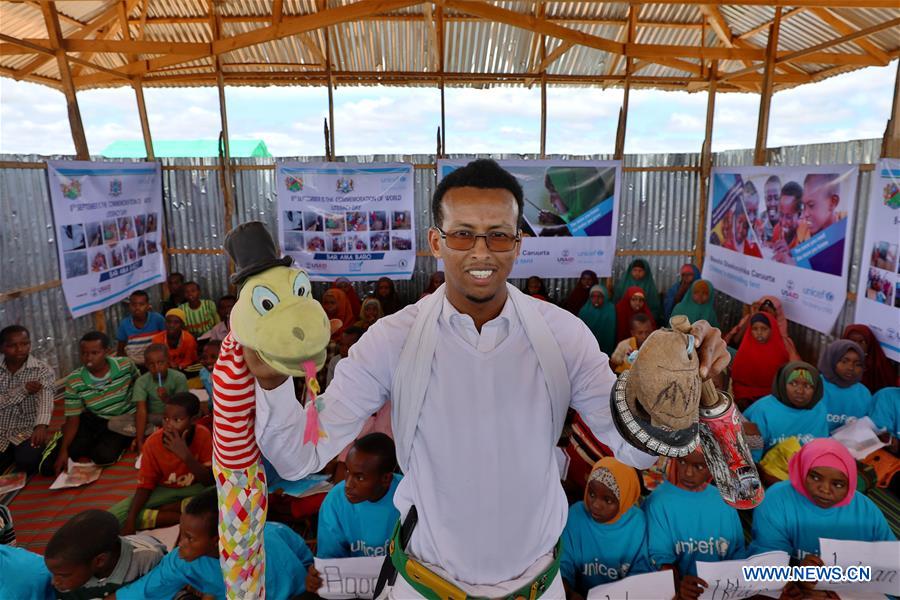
column 135, row 330
column 208, row 359
column 841, row 365
column 24, row 575
column 196, row 561
column 358, row 515
column 885, row 411
column 793, row 409
column 687, row 521
column 819, row 500
column 605, row 538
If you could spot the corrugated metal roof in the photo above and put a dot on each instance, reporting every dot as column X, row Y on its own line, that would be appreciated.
column 395, row 48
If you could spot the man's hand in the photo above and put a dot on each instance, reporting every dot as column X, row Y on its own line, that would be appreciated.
column 267, row 377
column 313, row 580
column 33, row 387
column 691, row 587
column 61, row 462
column 176, row 445
column 39, row 436
column 712, row 350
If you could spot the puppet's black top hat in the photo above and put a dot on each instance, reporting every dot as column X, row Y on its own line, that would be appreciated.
column 251, row 247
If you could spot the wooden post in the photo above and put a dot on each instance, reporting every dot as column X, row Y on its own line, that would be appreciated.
column 765, row 99
column 145, row 123
column 890, row 144
column 321, row 6
column 54, row 33
column 544, row 115
column 440, row 36
column 706, row 164
column 619, row 153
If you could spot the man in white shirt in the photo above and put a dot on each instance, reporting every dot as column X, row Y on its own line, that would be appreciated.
column 475, row 409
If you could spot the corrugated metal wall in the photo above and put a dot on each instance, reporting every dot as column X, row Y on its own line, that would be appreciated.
column 658, row 212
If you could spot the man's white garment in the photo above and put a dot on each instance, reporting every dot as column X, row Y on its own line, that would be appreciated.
column 482, row 472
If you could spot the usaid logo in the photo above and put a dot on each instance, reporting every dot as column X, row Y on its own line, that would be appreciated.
column 788, row 290
column 565, row 258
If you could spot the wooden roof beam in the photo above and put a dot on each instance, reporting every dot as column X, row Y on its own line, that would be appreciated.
column 101, row 20
column 109, row 30
column 765, row 24
column 814, row 54
column 844, row 28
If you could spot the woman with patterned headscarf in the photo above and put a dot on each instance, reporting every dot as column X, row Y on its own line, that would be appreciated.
column 605, row 538
column 841, row 364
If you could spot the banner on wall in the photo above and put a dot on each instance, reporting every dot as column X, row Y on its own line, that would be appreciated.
column 347, row 220
column 783, row 232
column 878, row 293
column 107, row 220
column 569, row 218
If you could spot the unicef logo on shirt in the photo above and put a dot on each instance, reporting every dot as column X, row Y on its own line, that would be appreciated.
column 722, row 547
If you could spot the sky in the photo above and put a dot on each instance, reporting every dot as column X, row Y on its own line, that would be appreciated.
column 382, row 120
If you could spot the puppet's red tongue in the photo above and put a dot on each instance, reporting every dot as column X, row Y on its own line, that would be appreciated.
column 311, row 432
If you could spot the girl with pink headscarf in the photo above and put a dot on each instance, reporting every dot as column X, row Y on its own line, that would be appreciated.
column 818, row 501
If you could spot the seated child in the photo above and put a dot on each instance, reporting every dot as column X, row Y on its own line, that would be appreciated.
column 176, row 465
column 641, row 328
column 200, row 313
column 95, row 395
column 175, row 282
column 181, row 344
column 632, row 303
column 687, row 521
column 196, row 562
column 605, row 538
column 223, row 327
column 841, row 365
column 819, row 500
column 358, row 516
column 350, row 336
column 761, row 354
column 87, row 557
column 24, row 575
column 793, row 409
column 136, row 329
column 885, row 411
column 152, row 390
column 208, row 359
column 26, row 401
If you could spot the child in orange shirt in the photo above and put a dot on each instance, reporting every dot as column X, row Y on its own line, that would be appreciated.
column 181, row 344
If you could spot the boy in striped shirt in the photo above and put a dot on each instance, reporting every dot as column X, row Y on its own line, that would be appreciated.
column 136, row 330
column 95, row 395
column 200, row 313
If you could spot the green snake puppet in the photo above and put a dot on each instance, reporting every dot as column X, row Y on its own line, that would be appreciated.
column 275, row 316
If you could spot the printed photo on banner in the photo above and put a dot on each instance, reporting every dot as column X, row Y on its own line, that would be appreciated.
column 878, row 289
column 798, row 222
column 347, row 220
column 569, row 216
column 783, row 232
column 105, row 214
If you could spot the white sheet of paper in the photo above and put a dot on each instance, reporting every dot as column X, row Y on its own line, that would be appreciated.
column 166, row 535
column 660, row 584
column 726, row 579
column 883, row 557
column 76, row 475
column 345, row 578
column 859, row 437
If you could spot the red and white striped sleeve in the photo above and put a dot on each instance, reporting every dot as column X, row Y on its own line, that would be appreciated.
column 234, row 410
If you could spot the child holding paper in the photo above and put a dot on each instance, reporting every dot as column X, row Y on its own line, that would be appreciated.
column 687, row 521
column 605, row 538
column 358, row 515
column 196, row 561
column 819, row 501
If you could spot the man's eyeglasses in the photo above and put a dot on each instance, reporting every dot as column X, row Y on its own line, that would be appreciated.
column 496, row 241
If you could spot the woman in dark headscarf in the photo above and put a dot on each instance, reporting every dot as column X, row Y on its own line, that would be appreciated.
column 757, row 361
column 697, row 305
column 841, row 365
column 536, row 288
column 434, row 282
column 793, row 409
column 879, row 372
column 639, row 274
column 387, row 296
column 579, row 294
column 343, row 284
column 689, row 274
column 600, row 317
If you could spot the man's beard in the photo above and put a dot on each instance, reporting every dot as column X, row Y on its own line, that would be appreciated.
column 477, row 300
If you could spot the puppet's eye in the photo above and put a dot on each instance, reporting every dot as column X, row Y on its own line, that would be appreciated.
column 264, row 299
column 302, row 286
